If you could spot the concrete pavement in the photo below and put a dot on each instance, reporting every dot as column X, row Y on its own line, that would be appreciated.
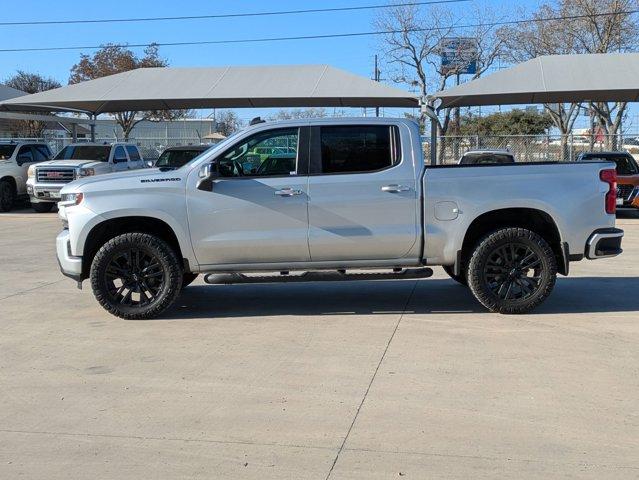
column 345, row 380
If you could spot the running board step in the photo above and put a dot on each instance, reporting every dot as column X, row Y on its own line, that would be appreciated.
column 315, row 276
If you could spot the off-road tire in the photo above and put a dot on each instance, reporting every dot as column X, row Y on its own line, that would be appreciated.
column 480, row 271
column 43, row 207
column 7, row 196
column 149, row 246
column 188, row 278
column 461, row 279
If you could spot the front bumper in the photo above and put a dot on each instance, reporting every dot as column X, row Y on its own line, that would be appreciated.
column 604, row 243
column 44, row 192
column 70, row 266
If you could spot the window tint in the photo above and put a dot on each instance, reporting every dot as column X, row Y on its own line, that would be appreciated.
column 98, row 153
column 269, row 153
column 134, row 155
column 364, row 148
column 176, row 158
column 120, row 155
column 24, row 155
column 40, row 153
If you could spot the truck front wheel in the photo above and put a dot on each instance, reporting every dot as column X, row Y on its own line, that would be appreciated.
column 512, row 270
column 136, row 276
column 7, row 196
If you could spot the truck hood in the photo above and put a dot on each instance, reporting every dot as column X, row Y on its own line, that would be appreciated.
column 71, row 163
column 114, row 177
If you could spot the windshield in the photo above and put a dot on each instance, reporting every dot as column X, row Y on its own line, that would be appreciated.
column 6, row 151
column 626, row 165
column 97, row 153
column 176, row 158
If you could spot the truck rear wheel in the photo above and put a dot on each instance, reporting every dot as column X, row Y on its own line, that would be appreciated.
column 42, row 207
column 136, row 276
column 461, row 279
column 7, row 196
column 512, row 270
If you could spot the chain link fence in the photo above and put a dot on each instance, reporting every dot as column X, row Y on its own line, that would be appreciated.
column 525, row 148
column 532, row 148
column 150, row 148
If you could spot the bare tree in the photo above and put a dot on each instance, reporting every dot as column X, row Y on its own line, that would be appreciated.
column 413, row 43
column 227, row 122
column 112, row 59
column 299, row 113
column 30, row 83
column 586, row 31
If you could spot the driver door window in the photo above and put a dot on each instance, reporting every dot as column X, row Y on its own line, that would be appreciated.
column 119, row 158
column 273, row 153
column 24, row 156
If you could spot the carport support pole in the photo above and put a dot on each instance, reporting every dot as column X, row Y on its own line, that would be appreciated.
column 74, row 132
column 93, row 127
column 429, row 110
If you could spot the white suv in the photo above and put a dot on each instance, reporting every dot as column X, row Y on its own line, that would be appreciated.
column 15, row 159
column 76, row 161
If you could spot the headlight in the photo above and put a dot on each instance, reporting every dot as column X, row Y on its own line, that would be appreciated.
column 86, row 172
column 31, row 171
column 70, row 199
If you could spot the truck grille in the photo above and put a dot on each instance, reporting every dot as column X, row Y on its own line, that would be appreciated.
column 55, row 175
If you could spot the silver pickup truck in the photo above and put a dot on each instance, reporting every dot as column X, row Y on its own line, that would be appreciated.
column 338, row 199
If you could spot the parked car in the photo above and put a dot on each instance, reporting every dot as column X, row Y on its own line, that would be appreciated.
column 482, row 157
column 176, row 157
column 627, row 175
column 74, row 161
column 356, row 195
column 15, row 159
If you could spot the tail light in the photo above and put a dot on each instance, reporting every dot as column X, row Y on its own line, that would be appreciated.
column 609, row 176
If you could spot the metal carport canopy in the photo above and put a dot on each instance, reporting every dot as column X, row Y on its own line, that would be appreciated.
column 8, row 92
column 609, row 77
column 217, row 87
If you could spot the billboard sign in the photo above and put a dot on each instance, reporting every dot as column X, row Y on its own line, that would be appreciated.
column 459, row 55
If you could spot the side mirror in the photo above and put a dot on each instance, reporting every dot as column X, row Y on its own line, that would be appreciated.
column 206, row 174
column 206, row 171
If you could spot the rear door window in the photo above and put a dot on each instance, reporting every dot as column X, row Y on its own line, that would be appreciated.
column 134, row 155
column 358, row 148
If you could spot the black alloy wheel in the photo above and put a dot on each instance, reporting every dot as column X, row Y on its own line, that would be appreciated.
column 512, row 270
column 136, row 276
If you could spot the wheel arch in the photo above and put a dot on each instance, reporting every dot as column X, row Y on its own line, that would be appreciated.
column 110, row 228
column 532, row 219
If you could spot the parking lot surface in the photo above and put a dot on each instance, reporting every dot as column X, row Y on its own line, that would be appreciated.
column 362, row 380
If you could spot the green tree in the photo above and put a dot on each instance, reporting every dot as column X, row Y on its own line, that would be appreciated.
column 513, row 122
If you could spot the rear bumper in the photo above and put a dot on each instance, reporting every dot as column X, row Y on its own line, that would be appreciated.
column 70, row 266
column 604, row 243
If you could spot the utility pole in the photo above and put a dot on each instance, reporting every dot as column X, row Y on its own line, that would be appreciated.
column 376, row 76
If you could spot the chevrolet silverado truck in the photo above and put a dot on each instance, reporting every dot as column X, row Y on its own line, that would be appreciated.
column 74, row 161
column 15, row 160
column 353, row 200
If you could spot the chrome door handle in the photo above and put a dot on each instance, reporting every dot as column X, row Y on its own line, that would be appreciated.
column 288, row 192
column 395, row 188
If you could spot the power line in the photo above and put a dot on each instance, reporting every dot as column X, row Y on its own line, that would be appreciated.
column 229, row 15
column 316, row 37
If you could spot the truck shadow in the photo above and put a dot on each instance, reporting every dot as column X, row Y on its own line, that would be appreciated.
column 571, row 295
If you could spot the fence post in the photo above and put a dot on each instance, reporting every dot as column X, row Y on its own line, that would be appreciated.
column 570, row 155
